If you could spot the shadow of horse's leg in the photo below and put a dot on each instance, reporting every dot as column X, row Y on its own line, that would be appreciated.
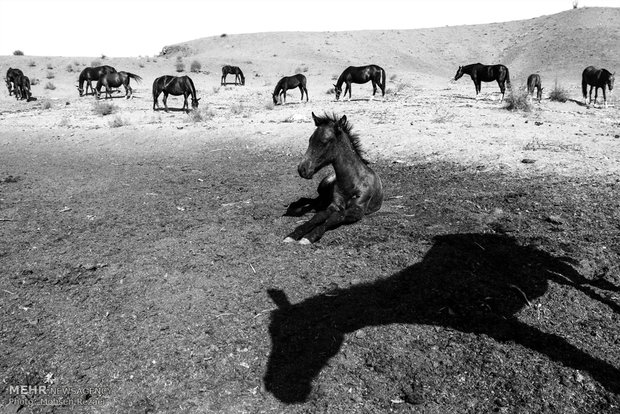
column 556, row 348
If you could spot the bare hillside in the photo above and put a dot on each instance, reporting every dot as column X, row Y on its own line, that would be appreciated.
column 557, row 45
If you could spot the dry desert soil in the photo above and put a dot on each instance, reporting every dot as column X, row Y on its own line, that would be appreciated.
column 142, row 266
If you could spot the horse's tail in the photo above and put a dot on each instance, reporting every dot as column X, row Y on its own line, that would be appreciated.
column 134, row 76
column 508, row 78
column 383, row 80
column 155, row 89
column 584, row 85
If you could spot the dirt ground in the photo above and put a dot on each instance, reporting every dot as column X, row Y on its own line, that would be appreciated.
column 142, row 254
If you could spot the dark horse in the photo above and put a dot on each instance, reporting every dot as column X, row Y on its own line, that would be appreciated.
column 533, row 81
column 89, row 75
column 351, row 192
column 174, row 85
column 361, row 74
column 596, row 78
column 22, row 87
column 290, row 82
column 11, row 75
column 232, row 70
column 485, row 73
column 115, row 80
column 466, row 283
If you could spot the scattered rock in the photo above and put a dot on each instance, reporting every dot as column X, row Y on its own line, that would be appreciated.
column 528, row 161
column 555, row 219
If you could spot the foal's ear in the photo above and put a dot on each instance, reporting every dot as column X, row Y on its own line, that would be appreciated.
column 342, row 122
column 316, row 120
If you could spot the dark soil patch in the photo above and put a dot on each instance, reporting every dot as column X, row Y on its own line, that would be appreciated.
column 158, row 278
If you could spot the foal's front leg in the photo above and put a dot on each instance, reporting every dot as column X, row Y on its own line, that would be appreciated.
column 337, row 218
column 309, row 225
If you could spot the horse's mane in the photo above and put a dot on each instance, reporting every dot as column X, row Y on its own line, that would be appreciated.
column 347, row 128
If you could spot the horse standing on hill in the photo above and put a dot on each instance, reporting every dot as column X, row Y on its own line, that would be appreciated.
column 89, row 75
column 361, row 74
column 289, row 82
column 11, row 75
column 174, row 85
column 115, row 80
column 533, row 81
column 232, row 70
column 22, row 87
column 485, row 73
column 350, row 192
column 596, row 78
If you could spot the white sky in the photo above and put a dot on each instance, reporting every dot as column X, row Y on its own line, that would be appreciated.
column 142, row 27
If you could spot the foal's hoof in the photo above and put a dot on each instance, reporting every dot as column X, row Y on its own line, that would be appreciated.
column 304, row 241
column 289, row 240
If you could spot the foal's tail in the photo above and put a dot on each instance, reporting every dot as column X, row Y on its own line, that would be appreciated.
column 584, row 87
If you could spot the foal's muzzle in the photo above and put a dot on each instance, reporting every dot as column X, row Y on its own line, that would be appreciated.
column 305, row 169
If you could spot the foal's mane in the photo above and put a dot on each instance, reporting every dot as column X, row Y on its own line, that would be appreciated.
column 347, row 128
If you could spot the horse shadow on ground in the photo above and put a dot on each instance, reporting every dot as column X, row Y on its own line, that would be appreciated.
column 170, row 110
column 580, row 103
column 473, row 283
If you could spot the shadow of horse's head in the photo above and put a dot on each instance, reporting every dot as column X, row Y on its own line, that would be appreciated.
column 469, row 282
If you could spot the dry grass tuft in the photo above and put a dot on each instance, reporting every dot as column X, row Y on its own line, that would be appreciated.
column 49, row 86
column 558, row 93
column 517, row 100
column 104, row 108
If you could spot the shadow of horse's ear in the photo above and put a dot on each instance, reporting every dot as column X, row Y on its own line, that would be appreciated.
column 279, row 298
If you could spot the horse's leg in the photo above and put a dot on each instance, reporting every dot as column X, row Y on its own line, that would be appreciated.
column 502, row 88
column 590, row 96
column 337, row 218
column 604, row 97
column 165, row 99
column 185, row 104
column 284, row 97
column 309, row 225
column 595, row 95
column 301, row 89
column 306, row 90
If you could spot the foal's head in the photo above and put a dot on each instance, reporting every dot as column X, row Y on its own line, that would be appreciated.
column 195, row 103
column 459, row 73
column 275, row 98
column 8, row 84
column 324, row 147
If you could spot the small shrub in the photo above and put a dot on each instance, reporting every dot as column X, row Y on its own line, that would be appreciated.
column 301, row 69
column 95, row 63
column 215, row 89
column 70, row 68
column 50, row 66
column 76, row 63
column 104, row 108
column 558, row 93
column 103, row 57
column 49, row 85
column 442, row 115
column 32, row 63
column 201, row 115
column 118, row 122
column 393, row 77
column 50, row 75
column 195, row 66
column 334, row 77
column 517, row 100
column 46, row 104
column 237, row 109
column 18, row 53
column 330, row 91
column 141, row 64
column 223, row 35
column 65, row 122
column 270, row 105
column 180, row 66
column 34, row 81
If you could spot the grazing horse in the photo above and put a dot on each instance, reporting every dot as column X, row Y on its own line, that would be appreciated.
column 174, row 85
column 11, row 75
column 533, row 81
column 352, row 191
column 361, row 74
column 22, row 87
column 596, row 78
column 92, row 74
column 115, row 80
column 289, row 82
column 485, row 73
column 232, row 70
